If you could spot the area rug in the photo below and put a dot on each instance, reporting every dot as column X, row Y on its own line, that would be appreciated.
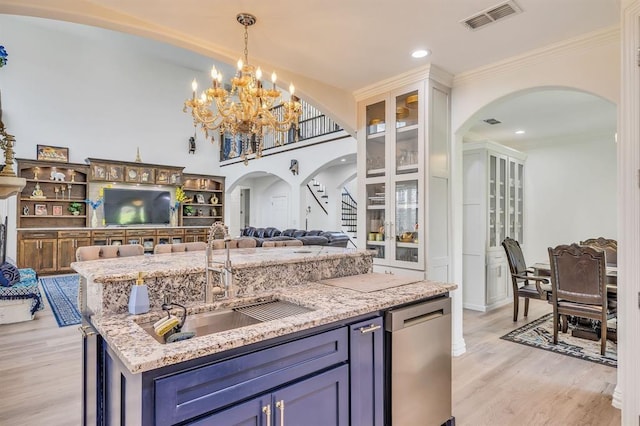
column 62, row 294
column 539, row 334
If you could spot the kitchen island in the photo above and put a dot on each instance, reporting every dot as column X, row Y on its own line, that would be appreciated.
column 326, row 365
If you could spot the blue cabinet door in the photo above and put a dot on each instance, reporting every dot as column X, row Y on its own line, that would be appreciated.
column 255, row 412
column 366, row 363
column 321, row 400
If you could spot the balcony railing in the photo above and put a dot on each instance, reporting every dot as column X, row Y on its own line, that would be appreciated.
column 312, row 123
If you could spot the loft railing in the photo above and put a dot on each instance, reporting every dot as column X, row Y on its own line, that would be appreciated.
column 312, row 123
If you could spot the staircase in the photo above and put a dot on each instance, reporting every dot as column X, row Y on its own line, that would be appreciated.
column 349, row 215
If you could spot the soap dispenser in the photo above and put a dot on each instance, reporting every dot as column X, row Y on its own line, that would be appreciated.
column 139, row 297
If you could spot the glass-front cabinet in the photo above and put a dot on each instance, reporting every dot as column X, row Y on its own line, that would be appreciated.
column 394, row 177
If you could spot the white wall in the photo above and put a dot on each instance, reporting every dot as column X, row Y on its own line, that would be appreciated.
column 100, row 93
column 570, row 194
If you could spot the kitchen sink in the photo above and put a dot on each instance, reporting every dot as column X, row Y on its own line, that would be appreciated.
column 205, row 323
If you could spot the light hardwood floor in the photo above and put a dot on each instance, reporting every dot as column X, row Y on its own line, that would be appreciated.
column 494, row 383
column 497, row 382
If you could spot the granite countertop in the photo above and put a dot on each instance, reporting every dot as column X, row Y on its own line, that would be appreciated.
column 171, row 264
column 140, row 352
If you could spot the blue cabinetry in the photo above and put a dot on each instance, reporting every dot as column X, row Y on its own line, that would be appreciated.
column 366, row 363
column 328, row 376
column 321, row 400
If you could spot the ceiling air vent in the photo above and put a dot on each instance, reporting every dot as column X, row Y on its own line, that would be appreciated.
column 492, row 14
column 492, row 121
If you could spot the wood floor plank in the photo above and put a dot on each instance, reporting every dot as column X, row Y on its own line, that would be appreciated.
column 494, row 383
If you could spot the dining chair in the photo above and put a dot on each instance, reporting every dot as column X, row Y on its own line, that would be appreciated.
column 608, row 245
column 524, row 283
column 109, row 251
column 579, row 287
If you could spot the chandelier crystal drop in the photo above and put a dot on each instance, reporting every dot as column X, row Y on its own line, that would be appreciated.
column 249, row 110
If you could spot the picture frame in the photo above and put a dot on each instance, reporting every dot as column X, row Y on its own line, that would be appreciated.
column 147, row 175
column 52, row 153
column 116, row 172
column 199, row 198
column 99, row 172
column 56, row 210
column 40, row 209
column 132, row 174
column 162, row 176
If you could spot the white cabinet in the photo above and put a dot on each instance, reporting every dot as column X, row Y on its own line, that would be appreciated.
column 493, row 209
column 399, row 132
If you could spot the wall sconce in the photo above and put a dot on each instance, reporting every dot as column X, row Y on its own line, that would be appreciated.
column 192, row 145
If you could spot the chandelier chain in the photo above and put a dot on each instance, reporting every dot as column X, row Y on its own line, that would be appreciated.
column 246, row 44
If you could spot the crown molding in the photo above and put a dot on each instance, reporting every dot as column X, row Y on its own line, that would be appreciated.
column 582, row 43
column 417, row 74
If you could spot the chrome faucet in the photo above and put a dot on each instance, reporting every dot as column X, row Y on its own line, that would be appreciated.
column 224, row 288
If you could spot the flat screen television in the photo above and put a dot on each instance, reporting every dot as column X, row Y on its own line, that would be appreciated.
column 136, row 207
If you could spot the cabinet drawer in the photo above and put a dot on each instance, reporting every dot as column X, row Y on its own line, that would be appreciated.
column 107, row 234
column 205, row 389
column 195, row 231
column 30, row 235
column 170, row 232
column 74, row 234
column 141, row 233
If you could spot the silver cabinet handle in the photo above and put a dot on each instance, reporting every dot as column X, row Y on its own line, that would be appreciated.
column 267, row 412
column 280, row 405
column 369, row 329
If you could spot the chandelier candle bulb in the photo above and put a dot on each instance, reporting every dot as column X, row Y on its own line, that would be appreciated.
column 194, row 86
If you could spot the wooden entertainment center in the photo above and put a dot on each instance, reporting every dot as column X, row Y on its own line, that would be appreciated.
column 55, row 213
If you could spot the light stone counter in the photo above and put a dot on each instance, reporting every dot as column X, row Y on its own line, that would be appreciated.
column 140, row 352
column 107, row 283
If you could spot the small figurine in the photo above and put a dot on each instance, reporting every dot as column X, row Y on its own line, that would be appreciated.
column 37, row 192
column 73, row 175
column 25, row 210
column 56, row 176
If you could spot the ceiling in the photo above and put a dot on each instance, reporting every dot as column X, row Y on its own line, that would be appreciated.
column 346, row 46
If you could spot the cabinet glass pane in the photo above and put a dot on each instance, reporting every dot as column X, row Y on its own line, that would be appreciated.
column 375, row 224
column 407, row 133
column 493, row 170
column 375, row 147
column 502, row 201
column 406, row 217
column 520, row 204
column 513, row 196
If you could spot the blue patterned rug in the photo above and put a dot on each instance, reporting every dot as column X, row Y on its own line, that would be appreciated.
column 539, row 334
column 62, row 294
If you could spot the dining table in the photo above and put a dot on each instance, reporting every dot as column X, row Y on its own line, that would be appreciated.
column 586, row 331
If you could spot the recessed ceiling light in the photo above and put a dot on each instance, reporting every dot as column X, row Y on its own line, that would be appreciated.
column 343, row 160
column 420, row 53
column 519, row 132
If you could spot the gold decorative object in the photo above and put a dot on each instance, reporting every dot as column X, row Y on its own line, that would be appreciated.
column 402, row 112
column 138, row 159
column 37, row 193
column 7, row 142
column 411, row 101
column 247, row 109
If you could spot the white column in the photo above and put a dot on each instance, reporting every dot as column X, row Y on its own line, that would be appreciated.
column 459, row 345
column 628, row 389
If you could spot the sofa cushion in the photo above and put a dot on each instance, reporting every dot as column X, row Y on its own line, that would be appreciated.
column 271, row 232
column 299, row 233
column 249, row 231
column 314, row 232
column 314, row 240
column 288, row 232
column 259, row 233
column 336, row 238
column 9, row 274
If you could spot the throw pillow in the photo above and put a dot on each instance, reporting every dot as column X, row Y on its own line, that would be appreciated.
column 10, row 274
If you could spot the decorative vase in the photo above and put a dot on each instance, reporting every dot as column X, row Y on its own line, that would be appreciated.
column 214, row 199
column 94, row 220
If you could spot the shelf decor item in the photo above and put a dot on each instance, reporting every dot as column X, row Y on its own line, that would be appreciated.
column 3, row 56
column 74, row 208
column 57, row 210
column 52, row 153
column 40, row 209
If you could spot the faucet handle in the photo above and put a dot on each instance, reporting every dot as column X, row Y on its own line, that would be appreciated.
column 166, row 302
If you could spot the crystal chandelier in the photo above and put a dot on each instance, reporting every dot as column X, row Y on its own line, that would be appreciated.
column 247, row 111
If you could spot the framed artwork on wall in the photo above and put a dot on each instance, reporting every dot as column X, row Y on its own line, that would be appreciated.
column 52, row 153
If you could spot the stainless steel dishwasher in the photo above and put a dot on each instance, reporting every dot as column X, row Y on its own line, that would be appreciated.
column 419, row 363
